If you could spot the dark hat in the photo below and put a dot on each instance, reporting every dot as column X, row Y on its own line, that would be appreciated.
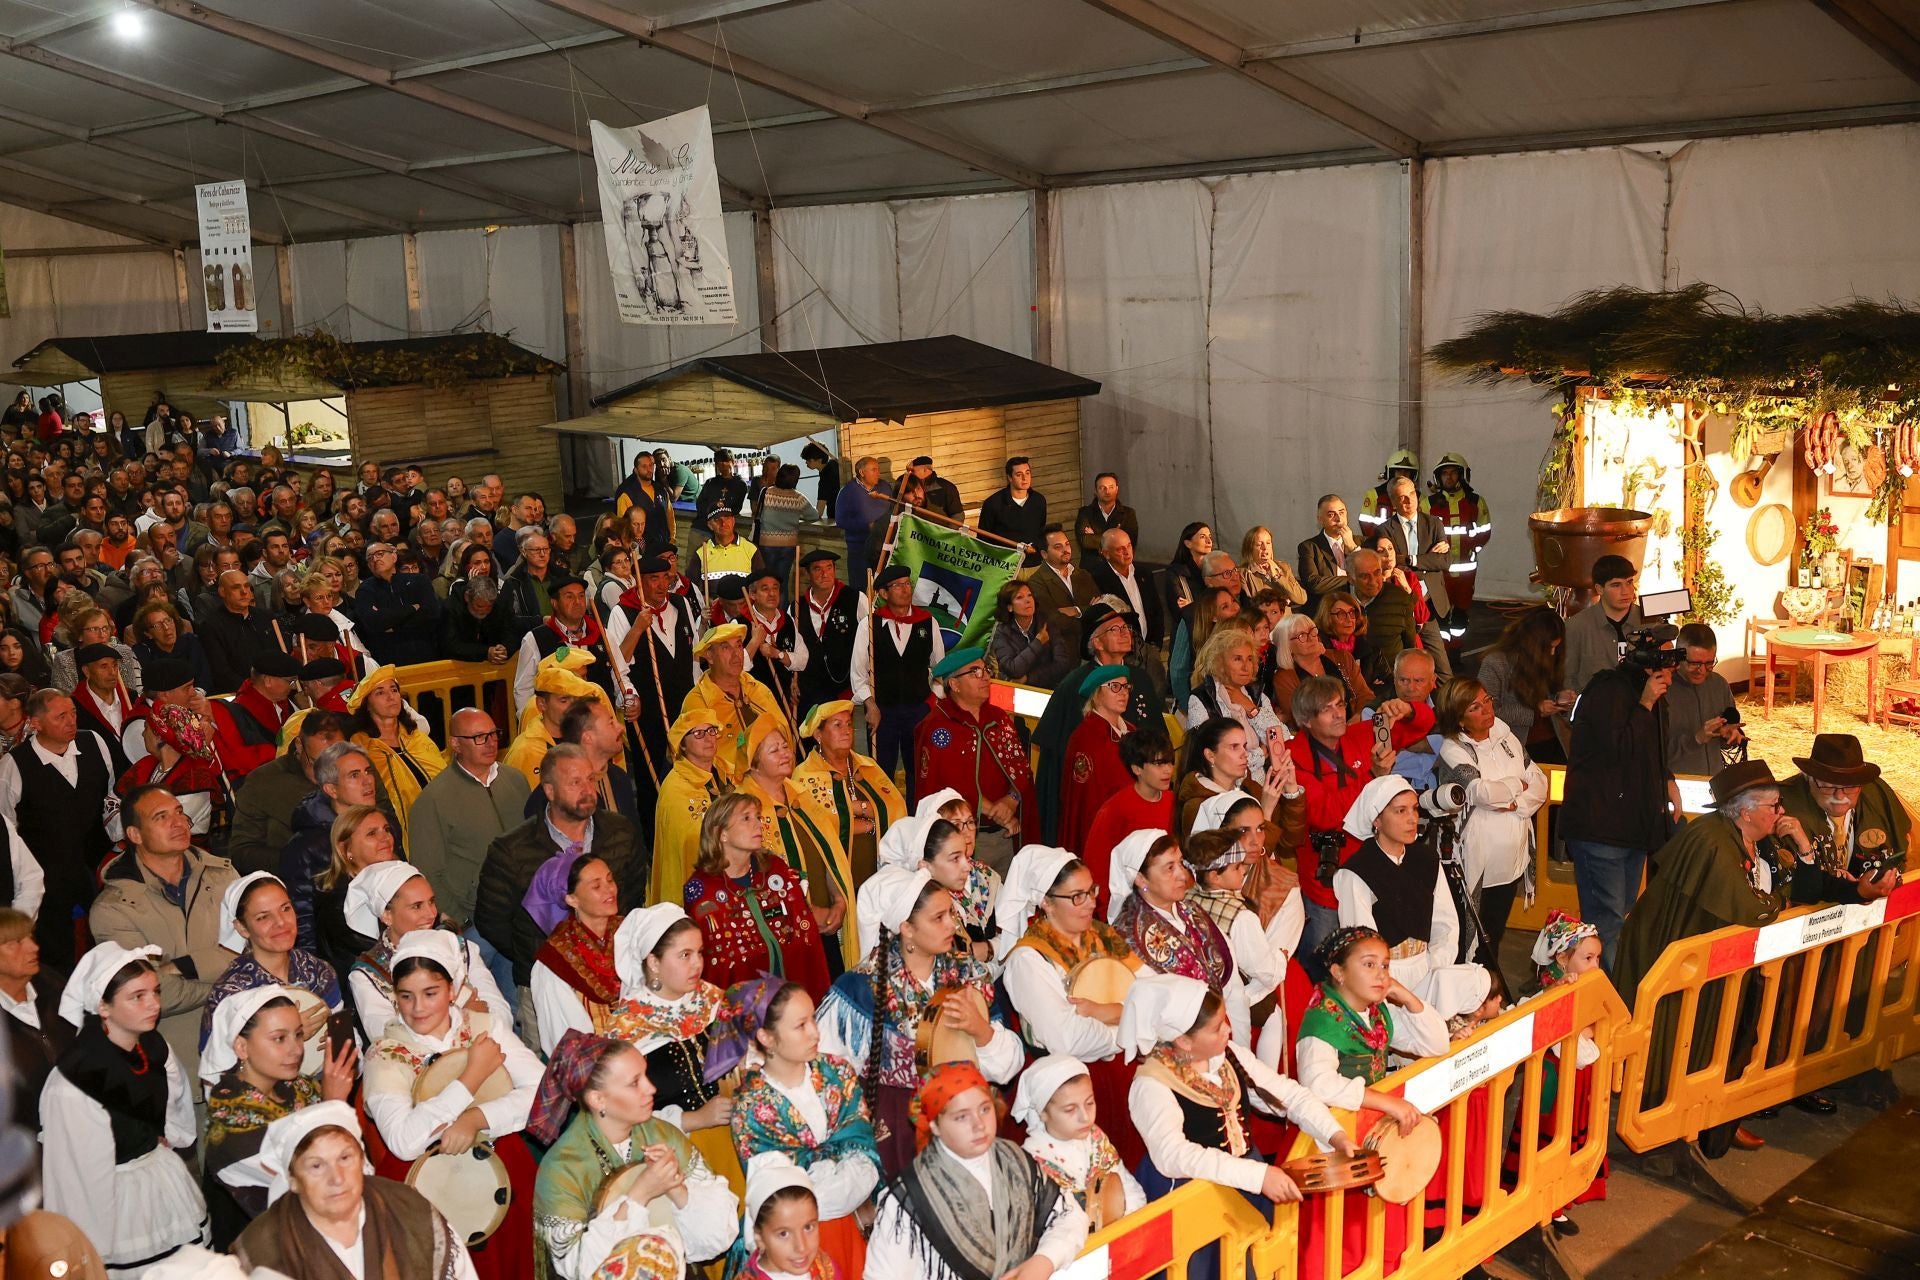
column 159, row 674
column 1097, row 615
column 731, row 587
column 1836, row 759
column 272, row 662
column 1745, row 776
column 722, row 510
column 891, row 574
column 91, row 653
column 922, row 461
column 561, row 581
column 760, row 574
column 656, row 564
column 815, row 557
column 323, row 669
column 317, row 627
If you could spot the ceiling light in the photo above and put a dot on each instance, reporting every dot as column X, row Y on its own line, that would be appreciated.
column 129, row 24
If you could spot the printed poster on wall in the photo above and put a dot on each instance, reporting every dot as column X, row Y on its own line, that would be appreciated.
column 660, row 203
column 226, row 257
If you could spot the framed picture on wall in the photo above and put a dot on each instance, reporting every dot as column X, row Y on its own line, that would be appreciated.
column 1849, row 478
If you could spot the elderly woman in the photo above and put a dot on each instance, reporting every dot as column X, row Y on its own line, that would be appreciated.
column 339, row 1222
column 803, row 833
column 1501, row 789
column 405, row 759
column 695, row 781
column 849, row 785
column 1333, row 760
column 1024, row 647
column 1299, row 653
column 1342, row 620
column 94, row 626
column 1263, row 572
column 1230, row 664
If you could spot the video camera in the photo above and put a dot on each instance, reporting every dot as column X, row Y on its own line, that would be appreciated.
column 1650, row 649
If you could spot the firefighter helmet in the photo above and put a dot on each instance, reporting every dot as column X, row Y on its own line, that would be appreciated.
column 1453, row 460
column 1401, row 460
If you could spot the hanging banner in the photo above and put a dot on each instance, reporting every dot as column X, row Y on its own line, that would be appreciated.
column 957, row 576
column 226, row 257
column 660, row 204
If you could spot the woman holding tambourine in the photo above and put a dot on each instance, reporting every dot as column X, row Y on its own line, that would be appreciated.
column 484, row 1106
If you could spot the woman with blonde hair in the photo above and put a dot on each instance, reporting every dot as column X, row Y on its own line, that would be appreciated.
column 361, row 836
column 1229, row 685
column 1213, row 607
column 1260, row 571
column 751, row 906
column 395, row 739
column 1342, row 620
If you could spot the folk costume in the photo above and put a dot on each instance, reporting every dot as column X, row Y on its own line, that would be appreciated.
column 686, row 793
column 859, row 791
column 575, row 983
column 661, row 670
column 891, row 667
column 1561, row 935
column 370, row 980
column 903, row 851
column 733, row 712
column 305, row 970
column 828, row 628
column 980, row 755
column 1181, row 940
column 1074, row 1164
column 582, row 1155
column 186, row 764
column 759, row 923
column 769, row 1179
column 1121, row 813
column 239, row 1112
column 802, row 833
column 1094, row 773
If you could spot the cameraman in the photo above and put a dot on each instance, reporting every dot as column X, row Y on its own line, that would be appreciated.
column 1698, row 724
column 1621, row 798
column 1332, row 762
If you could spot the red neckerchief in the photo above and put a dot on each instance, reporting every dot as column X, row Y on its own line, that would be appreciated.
column 779, row 620
column 84, row 691
column 913, row 615
column 589, row 631
column 824, row 609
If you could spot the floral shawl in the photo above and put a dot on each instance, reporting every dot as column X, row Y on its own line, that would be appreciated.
column 573, row 1169
column 1200, row 952
column 849, row 1008
column 584, row 963
column 1360, row 1042
column 305, row 970
column 1100, row 939
column 649, row 1022
column 1102, row 1158
column 763, row 1119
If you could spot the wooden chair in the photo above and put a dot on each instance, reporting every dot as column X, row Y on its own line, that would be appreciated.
column 1757, row 629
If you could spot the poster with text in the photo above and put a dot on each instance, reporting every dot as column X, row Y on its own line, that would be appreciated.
column 226, row 257
column 660, row 203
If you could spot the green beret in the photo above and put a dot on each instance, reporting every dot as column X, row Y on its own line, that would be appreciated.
column 956, row 660
column 1100, row 675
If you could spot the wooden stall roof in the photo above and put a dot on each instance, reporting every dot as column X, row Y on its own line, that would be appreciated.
column 70, row 359
column 888, row 380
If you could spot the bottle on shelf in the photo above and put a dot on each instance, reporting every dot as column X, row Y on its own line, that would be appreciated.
column 1804, row 575
column 1817, row 584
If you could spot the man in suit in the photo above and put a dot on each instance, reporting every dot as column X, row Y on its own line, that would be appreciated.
column 1115, row 573
column 1389, row 607
column 1060, row 590
column 1323, row 557
column 1421, row 545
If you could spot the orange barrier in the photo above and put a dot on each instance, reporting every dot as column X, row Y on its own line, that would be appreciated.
column 1728, row 1023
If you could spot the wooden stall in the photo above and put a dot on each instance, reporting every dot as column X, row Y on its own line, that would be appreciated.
column 135, row 369
column 965, row 404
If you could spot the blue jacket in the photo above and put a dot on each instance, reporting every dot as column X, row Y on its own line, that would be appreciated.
column 855, row 508
column 399, row 619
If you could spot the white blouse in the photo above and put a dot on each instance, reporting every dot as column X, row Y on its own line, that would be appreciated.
column 353, row 1256
column 409, row 1128
column 1432, row 975
column 1415, row 1035
column 375, row 1006
column 1496, row 831
column 1038, row 990
column 839, row 1186
column 890, row 1251
column 1161, row 1124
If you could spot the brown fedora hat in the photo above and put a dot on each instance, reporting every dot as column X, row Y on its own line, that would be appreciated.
column 1836, row 759
column 1735, row 778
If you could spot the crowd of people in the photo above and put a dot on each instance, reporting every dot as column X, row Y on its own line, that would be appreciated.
column 637, row 962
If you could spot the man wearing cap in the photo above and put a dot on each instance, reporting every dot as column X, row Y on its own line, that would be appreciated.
column 264, row 804
column 654, row 628
column 1017, row 511
column 942, row 496
column 164, row 892
column 724, row 554
column 776, row 653
column 398, row 613
column 827, row 617
column 325, row 684
column 100, row 700
column 1741, row 865
column 234, row 634
column 247, row 726
column 727, row 692
column 726, row 601
column 890, row 667
column 1107, row 638
column 568, row 626
column 967, row 743
column 558, row 683
column 723, row 489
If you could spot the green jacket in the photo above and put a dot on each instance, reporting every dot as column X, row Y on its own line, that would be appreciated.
column 1880, row 822
column 1390, row 629
column 263, row 814
column 453, row 822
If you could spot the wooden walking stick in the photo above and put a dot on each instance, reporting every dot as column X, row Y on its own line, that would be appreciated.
column 620, row 671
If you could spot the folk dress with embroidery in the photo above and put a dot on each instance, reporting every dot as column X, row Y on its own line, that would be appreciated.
column 673, row 1036
column 1094, row 772
column 305, row 970
column 575, row 985
column 1075, row 1164
column 686, row 793
column 760, row 923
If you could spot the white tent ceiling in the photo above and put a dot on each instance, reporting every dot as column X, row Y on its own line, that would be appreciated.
column 356, row 117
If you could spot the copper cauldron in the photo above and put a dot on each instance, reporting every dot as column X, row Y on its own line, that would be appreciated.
column 1567, row 542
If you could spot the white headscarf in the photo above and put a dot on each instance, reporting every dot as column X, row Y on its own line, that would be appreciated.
column 269, row 1168
column 1159, row 1007
column 636, row 938
column 230, row 907
column 229, row 1016
column 772, row 1172
column 1374, row 797
column 191, row 1262
column 88, row 985
column 1128, row 857
column 905, row 843
column 1029, row 876
column 437, row 945
column 893, row 897
column 1039, row 1082
column 369, row 892
column 1213, row 811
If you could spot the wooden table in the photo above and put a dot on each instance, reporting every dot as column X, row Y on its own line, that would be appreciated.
column 1823, row 648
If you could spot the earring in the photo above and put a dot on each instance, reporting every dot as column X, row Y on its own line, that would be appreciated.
column 906, row 948
column 653, row 982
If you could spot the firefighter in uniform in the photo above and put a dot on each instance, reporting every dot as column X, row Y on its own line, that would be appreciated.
column 1373, row 508
column 1467, row 522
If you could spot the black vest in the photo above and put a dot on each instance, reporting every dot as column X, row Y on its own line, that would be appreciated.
column 902, row 679
column 547, row 641
column 64, row 825
column 829, row 654
column 248, row 726
column 675, row 669
column 762, row 667
column 35, row 1050
column 1403, row 892
column 1206, row 1126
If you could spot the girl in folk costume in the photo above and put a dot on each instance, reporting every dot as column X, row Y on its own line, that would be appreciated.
column 802, row 833
column 1149, row 888
column 1394, row 884
column 339, row 1223
column 849, row 785
column 667, row 1012
column 1345, row 1042
column 691, row 786
column 782, row 1226
column 1093, row 768
column 386, row 902
column 1048, row 904
column 796, row 1102
column 751, row 906
column 596, row 1112
column 251, row 1067
column 575, row 981
column 429, row 966
column 114, row 1115
column 1146, row 804
column 395, row 738
column 873, row 1014
column 939, row 838
column 971, row 1206
column 1055, row 1103
column 257, row 920
column 1565, row 949
column 1192, row 1096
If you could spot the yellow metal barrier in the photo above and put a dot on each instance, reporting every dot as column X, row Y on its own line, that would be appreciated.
column 1507, row 1053
column 1728, row 1023
column 444, row 678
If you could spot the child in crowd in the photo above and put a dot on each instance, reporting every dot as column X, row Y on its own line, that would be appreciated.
column 782, row 1226
column 1055, row 1102
column 1566, row 948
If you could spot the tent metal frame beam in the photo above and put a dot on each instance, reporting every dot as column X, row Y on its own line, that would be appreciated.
column 1187, row 32
column 768, row 77
column 379, row 77
column 1600, row 11
column 149, row 242
column 1870, row 23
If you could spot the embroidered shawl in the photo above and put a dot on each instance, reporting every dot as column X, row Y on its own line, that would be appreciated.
column 764, row 1120
column 1198, row 952
column 1360, row 1042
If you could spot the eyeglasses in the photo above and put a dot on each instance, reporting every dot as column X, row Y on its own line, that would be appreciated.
column 1305, row 634
column 1079, row 899
column 491, row 735
column 1344, row 612
column 968, row 673
column 703, row 731
column 963, row 824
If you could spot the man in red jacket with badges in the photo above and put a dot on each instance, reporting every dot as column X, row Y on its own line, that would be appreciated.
column 972, row 746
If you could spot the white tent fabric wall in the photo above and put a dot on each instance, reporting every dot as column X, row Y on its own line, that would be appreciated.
column 1303, row 365
column 836, row 271
column 319, row 270
column 505, row 282
column 966, row 267
column 1130, row 270
column 354, row 289
column 1522, row 232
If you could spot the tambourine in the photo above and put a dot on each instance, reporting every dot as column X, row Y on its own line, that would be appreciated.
column 471, row 1190
column 445, row 1070
column 1101, row 979
column 934, row 1042
column 1324, row 1172
column 1106, row 1200
column 1408, row 1160
column 618, row 1183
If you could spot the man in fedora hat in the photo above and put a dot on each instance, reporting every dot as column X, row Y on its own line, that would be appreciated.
column 1742, row 865
column 1840, row 795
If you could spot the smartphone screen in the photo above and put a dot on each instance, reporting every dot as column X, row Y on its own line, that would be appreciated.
column 339, row 1030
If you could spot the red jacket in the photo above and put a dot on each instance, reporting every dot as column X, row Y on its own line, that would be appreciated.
column 947, row 746
column 242, row 748
column 1330, row 793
